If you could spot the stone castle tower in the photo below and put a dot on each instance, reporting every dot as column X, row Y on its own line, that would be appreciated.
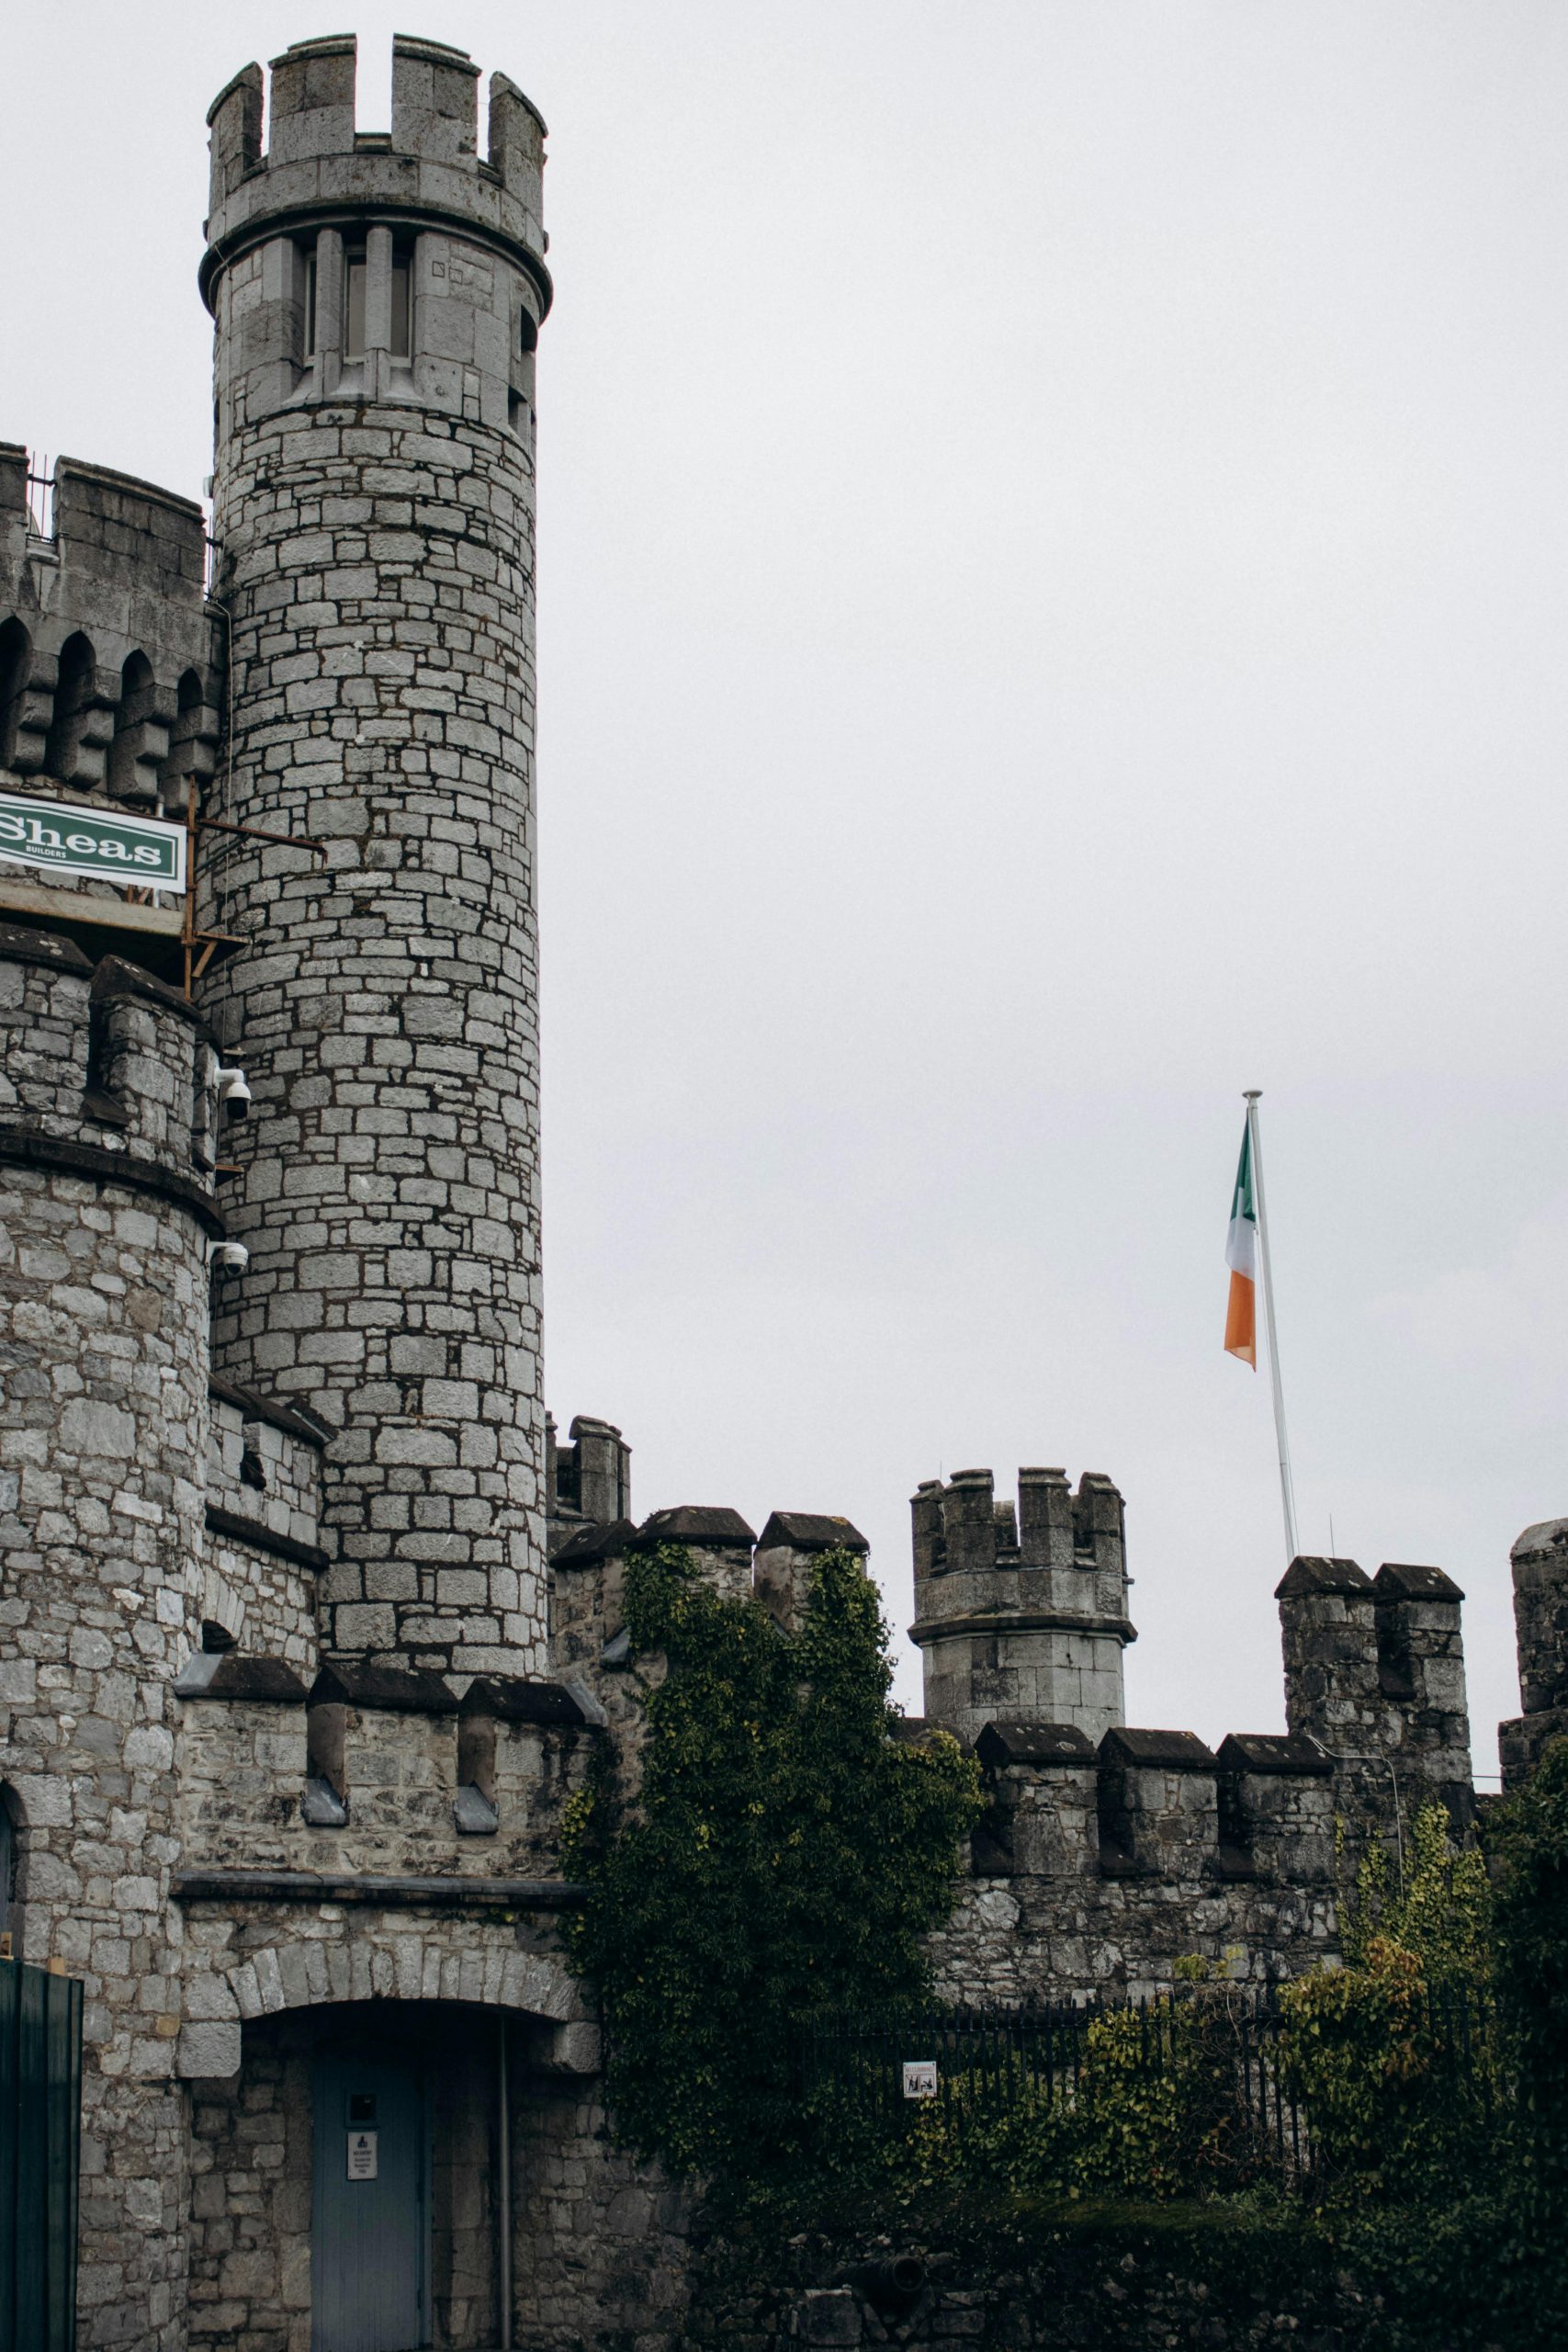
column 1021, row 1616
column 310, row 1629
column 378, row 301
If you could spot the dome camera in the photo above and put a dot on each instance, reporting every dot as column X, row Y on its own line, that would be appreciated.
column 233, row 1094
column 229, row 1257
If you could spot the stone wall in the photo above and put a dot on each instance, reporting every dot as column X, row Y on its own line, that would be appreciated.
column 602, row 2246
column 390, row 1189
column 249, row 1745
column 264, row 1561
column 1139, row 2284
column 106, row 1220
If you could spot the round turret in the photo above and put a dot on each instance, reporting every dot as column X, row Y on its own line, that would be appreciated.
column 1021, row 1616
column 376, row 301
column 108, row 1125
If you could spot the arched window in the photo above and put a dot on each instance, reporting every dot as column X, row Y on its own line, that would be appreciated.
column 190, row 749
column 132, row 745
column 72, row 700
column 16, row 664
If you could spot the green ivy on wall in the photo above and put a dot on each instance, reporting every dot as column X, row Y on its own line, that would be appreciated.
column 784, row 1854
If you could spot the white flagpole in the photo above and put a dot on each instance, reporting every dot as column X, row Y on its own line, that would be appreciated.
column 1287, row 1493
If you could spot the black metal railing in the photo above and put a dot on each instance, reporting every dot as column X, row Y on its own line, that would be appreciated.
column 1231, row 2049
column 40, row 2092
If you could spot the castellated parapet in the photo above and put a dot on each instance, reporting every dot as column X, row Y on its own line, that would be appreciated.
column 376, row 301
column 111, row 660
column 1022, row 1615
column 1374, row 1672
column 363, row 267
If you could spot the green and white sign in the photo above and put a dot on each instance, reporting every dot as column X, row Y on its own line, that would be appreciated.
column 64, row 837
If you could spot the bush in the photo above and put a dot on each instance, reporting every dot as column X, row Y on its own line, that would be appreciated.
column 784, row 1855
column 1391, row 2056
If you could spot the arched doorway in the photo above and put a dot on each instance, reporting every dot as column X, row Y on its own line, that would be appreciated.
column 352, row 2170
column 371, row 2214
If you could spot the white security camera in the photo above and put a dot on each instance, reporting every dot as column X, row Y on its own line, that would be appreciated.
column 233, row 1094
column 229, row 1257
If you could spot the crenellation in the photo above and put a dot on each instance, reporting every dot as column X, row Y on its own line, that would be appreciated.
column 1042, row 1782
column 312, row 97
column 783, row 1565
column 153, row 1068
column 234, row 123
column 1374, row 1674
column 1327, row 1624
column 1275, row 1809
column 435, row 103
column 111, row 674
column 1021, row 1617
column 589, row 1479
column 394, row 1751
column 1157, row 1805
column 1417, row 1614
column 719, row 1540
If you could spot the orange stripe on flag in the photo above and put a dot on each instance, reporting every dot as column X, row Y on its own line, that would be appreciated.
column 1240, row 1327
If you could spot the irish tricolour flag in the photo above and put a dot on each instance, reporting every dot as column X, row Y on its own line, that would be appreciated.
column 1241, row 1257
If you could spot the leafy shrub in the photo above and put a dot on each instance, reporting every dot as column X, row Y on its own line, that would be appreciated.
column 1528, row 1837
column 1159, row 2108
column 1391, row 2057
column 784, row 1854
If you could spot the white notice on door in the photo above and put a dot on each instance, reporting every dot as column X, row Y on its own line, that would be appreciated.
column 361, row 2155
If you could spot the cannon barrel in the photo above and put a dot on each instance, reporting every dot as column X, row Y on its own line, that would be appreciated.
column 889, row 2286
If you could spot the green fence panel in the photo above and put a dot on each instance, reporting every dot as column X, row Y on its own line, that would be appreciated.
column 41, row 2098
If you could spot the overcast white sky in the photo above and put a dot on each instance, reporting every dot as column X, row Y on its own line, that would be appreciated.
column 1053, row 597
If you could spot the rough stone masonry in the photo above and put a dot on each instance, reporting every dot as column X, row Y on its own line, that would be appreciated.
column 309, row 1625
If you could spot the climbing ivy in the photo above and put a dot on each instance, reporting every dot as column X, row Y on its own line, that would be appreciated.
column 1369, row 2048
column 783, row 1854
column 1528, row 1840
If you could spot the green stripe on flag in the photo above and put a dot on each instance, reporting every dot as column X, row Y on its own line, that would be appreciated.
column 1241, row 1201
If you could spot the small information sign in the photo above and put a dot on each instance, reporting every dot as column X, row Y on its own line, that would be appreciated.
column 361, row 2155
column 919, row 2078
column 66, row 837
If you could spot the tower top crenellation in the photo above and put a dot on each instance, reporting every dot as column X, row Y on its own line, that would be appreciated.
column 316, row 169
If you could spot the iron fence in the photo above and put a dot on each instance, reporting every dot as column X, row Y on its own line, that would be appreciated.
column 971, row 2067
column 41, row 2089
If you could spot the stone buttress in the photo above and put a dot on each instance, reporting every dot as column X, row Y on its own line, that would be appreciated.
column 376, row 301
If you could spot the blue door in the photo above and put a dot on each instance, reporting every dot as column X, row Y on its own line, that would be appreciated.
column 369, row 2252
